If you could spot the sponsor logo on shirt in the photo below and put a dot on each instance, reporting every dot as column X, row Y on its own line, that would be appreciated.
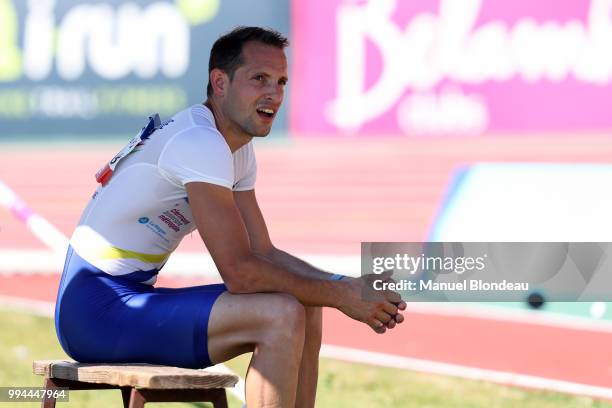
column 159, row 231
column 174, row 219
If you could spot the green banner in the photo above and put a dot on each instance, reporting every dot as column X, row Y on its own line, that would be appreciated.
column 99, row 67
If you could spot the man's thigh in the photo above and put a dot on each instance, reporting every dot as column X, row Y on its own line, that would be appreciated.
column 238, row 322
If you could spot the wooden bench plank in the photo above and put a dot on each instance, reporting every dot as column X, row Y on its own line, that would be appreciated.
column 134, row 375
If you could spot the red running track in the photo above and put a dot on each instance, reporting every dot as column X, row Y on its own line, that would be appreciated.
column 326, row 197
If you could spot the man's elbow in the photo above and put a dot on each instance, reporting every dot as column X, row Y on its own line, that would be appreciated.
column 238, row 278
column 236, row 286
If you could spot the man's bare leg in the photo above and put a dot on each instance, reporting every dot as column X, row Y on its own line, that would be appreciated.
column 309, row 366
column 271, row 325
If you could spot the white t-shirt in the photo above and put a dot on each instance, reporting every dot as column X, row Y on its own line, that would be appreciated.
column 134, row 222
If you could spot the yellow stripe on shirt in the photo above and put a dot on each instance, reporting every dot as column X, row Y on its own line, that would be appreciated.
column 118, row 253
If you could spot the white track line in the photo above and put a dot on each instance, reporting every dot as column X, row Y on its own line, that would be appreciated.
column 433, row 367
column 33, row 307
column 45, row 309
column 180, row 264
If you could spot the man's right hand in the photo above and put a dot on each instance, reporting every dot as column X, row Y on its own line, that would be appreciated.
column 376, row 308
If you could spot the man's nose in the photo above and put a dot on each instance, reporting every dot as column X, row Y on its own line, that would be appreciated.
column 275, row 93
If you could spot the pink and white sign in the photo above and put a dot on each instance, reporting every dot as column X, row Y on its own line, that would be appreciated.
column 451, row 67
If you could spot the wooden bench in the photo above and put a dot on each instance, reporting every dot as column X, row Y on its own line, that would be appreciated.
column 139, row 383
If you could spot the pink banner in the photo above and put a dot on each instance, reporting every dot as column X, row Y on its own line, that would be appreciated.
column 450, row 67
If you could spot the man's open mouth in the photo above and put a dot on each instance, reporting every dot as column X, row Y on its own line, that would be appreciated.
column 266, row 112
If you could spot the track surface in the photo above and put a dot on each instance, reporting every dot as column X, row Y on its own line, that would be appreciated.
column 326, row 197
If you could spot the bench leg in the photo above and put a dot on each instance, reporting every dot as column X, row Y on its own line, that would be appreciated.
column 125, row 395
column 137, row 400
column 218, row 398
column 48, row 401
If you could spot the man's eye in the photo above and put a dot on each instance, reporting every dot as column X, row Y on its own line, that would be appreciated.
column 258, row 77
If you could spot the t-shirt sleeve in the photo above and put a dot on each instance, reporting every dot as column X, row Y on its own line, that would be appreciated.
column 247, row 182
column 197, row 155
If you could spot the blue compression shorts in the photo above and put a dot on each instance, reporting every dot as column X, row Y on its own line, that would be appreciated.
column 104, row 318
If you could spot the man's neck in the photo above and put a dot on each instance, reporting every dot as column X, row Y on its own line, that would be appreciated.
column 234, row 138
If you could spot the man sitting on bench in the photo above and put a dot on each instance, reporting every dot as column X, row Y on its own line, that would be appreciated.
column 197, row 170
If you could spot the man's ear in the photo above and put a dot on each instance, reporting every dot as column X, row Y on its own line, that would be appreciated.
column 219, row 81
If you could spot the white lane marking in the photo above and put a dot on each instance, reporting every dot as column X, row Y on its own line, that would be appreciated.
column 472, row 373
column 183, row 264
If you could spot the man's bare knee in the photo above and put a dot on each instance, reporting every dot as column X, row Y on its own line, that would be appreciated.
column 238, row 323
column 286, row 321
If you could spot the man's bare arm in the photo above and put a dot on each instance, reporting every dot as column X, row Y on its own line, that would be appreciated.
column 223, row 230
column 225, row 235
column 262, row 246
column 261, row 243
column 296, row 265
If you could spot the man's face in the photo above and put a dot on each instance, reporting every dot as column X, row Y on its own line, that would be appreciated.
column 255, row 93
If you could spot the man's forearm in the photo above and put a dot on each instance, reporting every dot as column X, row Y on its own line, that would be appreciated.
column 295, row 264
column 258, row 274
